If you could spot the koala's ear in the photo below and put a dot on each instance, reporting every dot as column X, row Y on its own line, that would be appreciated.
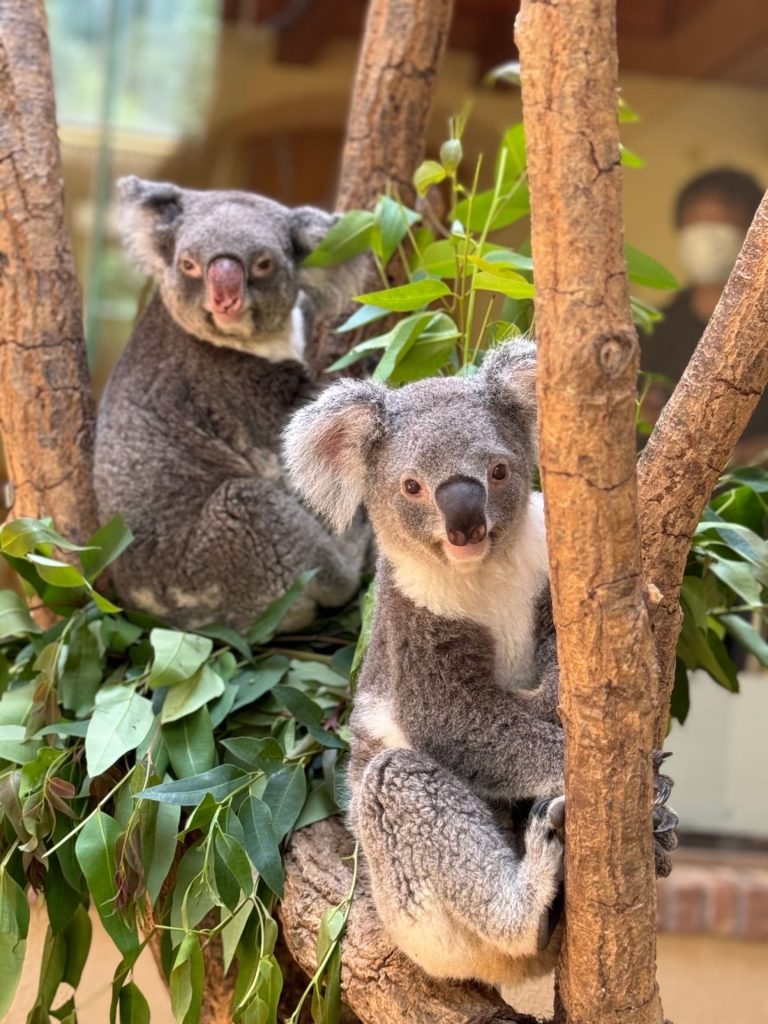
column 149, row 214
column 329, row 288
column 308, row 227
column 509, row 372
column 326, row 445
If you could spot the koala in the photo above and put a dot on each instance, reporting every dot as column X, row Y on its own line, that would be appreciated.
column 455, row 724
column 189, row 427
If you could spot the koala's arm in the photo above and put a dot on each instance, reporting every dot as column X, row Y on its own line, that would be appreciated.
column 441, row 677
column 543, row 701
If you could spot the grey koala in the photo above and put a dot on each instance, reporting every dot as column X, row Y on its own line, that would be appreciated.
column 455, row 717
column 188, row 432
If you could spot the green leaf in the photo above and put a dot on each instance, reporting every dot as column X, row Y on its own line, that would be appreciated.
column 349, row 236
column 261, row 842
column 232, row 868
column 20, row 536
column 186, row 981
column 407, row 297
column 105, row 546
column 360, row 351
column 121, row 719
column 76, row 938
column 267, row 624
column 747, row 636
column 739, row 576
column 629, row 158
column 626, row 114
column 511, row 284
column 513, row 148
column 644, row 315
column 95, row 851
column 284, row 795
column 14, row 927
column 16, row 746
column 134, row 1008
column 391, row 223
column 308, row 713
column 510, row 206
column 191, row 695
column 428, row 173
column 232, row 932
column 219, row 782
column 59, row 573
column 439, row 259
column 177, row 656
column 193, row 895
column 15, row 619
column 159, row 823
column 318, row 806
column 645, row 270
column 228, row 636
column 82, row 672
column 60, row 898
column 361, row 318
column 262, row 753
column 190, row 745
column 403, row 338
column 254, row 683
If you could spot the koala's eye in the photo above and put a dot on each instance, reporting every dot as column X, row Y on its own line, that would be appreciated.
column 262, row 266
column 190, row 267
column 412, row 487
column 499, row 471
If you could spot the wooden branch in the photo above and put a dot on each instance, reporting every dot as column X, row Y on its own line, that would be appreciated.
column 588, row 363
column 46, row 407
column 696, row 435
column 379, row 983
column 403, row 44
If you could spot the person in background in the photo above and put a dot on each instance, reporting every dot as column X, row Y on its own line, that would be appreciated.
column 712, row 214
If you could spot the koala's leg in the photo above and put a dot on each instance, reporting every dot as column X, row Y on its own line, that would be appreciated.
column 450, row 889
column 251, row 542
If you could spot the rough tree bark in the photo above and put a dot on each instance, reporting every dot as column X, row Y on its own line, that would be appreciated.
column 46, row 406
column 402, row 47
column 588, row 364
column 695, row 438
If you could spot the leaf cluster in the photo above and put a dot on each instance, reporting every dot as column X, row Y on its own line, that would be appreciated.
column 156, row 774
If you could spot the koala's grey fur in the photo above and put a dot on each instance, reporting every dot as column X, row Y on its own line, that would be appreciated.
column 188, row 433
column 455, row 718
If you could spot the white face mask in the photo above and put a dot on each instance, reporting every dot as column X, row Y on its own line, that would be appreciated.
column 708, row 250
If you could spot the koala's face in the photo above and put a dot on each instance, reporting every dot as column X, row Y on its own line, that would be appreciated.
column 450, row 475
column 227, row 263
column 443, row 466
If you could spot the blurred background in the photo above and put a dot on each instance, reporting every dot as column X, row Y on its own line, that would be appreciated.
column 253, row 94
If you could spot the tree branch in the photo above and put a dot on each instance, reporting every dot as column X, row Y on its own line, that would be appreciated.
column 402, row 47
column 46, row 407
column 588, row 362
column 695, row 438
column 379, row 983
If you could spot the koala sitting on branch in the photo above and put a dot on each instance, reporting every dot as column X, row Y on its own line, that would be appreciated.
column 188, row 433
column 455, row 717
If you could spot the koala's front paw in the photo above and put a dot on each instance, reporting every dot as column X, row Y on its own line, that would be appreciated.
column 552, row 810
column 664, row 819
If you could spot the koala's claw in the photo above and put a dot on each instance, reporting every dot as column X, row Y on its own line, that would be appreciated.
column 551, row 809
column 664, row 820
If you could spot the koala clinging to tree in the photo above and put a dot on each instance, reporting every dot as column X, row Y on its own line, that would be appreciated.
column 455, row 717
column 188, row 434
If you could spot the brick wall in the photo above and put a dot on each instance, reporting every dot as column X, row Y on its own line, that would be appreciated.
column 706, row 895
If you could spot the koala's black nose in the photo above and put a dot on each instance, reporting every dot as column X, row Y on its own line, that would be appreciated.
column 462, row 502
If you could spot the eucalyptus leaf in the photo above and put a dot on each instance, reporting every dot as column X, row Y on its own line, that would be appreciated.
column 261, row 842
column 350, row 236
column 361, row 318
column 186, row 981
column 158, row 823
column 15, row 619
column 267, row 624
column 284, row 796
column 407, row 297
column 189, row 741
column 645, row 270
column 219, row 782
column 14, row 927
column 177, row 656
column 95, row 850
column 54, row 571
column 107, row 544
column 120, row 721
column 427, row 174
column 391, row 223
column 134, row 1008
column 189, row 696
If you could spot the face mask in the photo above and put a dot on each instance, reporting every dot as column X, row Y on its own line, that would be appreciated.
column 708, row 250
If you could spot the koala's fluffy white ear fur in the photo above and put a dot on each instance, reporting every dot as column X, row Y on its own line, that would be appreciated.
column 326, row 444
column 510, row 371
column 148, row 216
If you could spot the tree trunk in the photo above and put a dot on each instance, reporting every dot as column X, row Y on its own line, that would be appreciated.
column 588, row 363
column 401, row 51
column 46, row 407
column 696, row 435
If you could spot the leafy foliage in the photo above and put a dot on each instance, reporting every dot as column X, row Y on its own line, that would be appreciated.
column 466, row 291
column 156, row 773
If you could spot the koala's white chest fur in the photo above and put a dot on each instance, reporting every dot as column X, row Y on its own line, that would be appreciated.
column 501, row 595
